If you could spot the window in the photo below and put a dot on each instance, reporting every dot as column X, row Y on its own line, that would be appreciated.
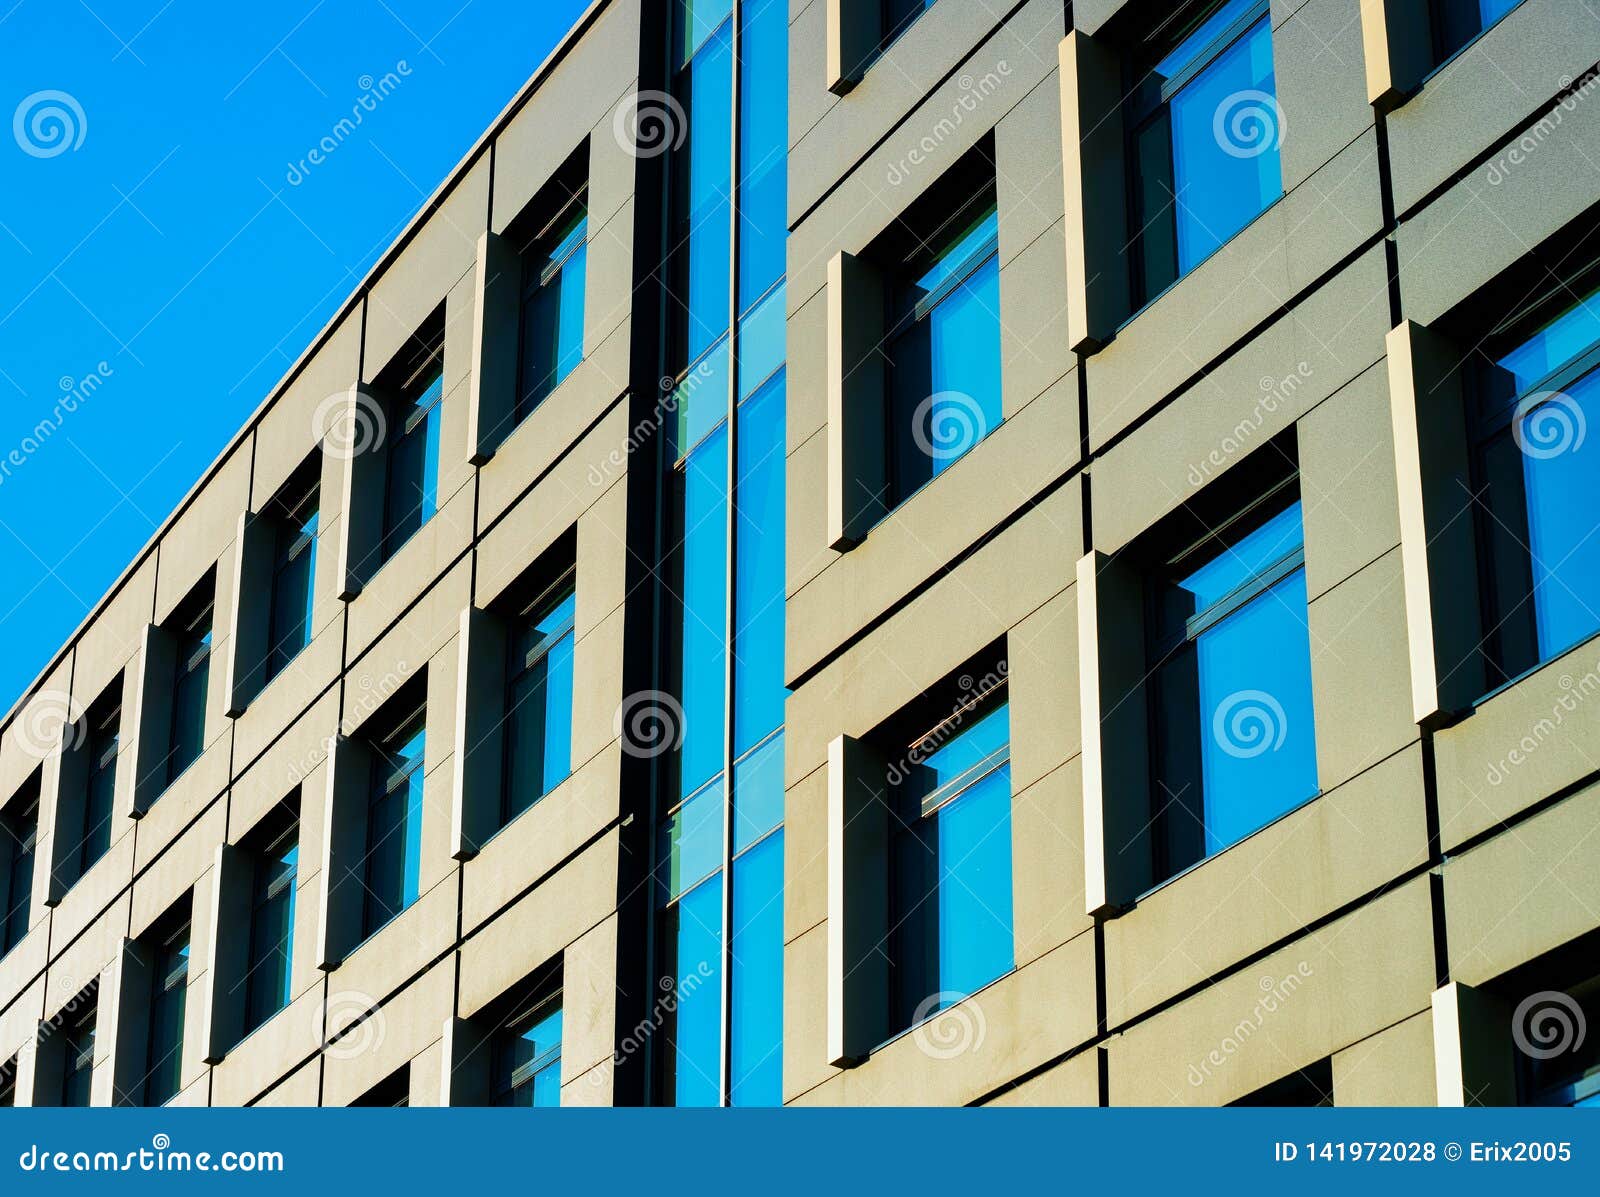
column 77, row 1053
column 191, row 677
column 552, row 304
column 1565, row 1078
column 394, row 821
column 104, row 731
column 1310, row 1086
column 1457, row 23
column 19, row 838
column 538, row 742
column 526, row 1057
column 275, row 868
column 412, row 479
column 1233, row 742
column 950, row 864
column 1203, row 132
column 169, row 987
column 899, row 15
column 943, row 346
column 1535, row 391
column 294, row 514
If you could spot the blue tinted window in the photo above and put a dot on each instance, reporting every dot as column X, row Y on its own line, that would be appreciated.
column 951, row 866
column 193, row 674
column 702, row 583
column 758, row 686
column 944, row 353
column 763, row 146
column 691, row 840
column 294, row 567
column 758, row 793
column 691, row 945
column 1235, row 737
column 19, row 835
column 1206, row 129
column 394, row 825
column 272, row 893
column 552, row 308
column 105, row 725
column 1458, row 22
column 702, row 203
column 169, row 987
column 539, row 701
column 762, row 332
column 696, row 21
column 412, row 486
column 700, row 399
column 527, row 1060
column 756, row 1017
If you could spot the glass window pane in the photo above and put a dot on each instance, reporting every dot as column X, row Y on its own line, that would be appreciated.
column 762, row 334
column 1563, row 521
column 756, row 1017
column 700, row 400
column 758, row 793
column 394, row 828
column 539, row 704
column 552, row 312
column 411, row 488
column 758, row 602
column 702, row 208
column 1236, row 565
column 1258, row 755
column 691, row 936
column 18, row 835
column 1213, row 27
column 1565, row 338
column 691, row 840
column 1225, row 133
column 702, row 583
column 271, row 936
column 696, row 20
column 763, row 149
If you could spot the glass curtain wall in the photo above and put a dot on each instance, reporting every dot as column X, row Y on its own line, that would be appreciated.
column 719, row 932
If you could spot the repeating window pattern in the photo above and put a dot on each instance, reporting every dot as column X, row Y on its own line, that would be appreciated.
column 411, row 479
column 551, row 340
column 268, row 978
column 191, row 681
column 393, row 862
column 102, row 745
column 294, row 561
column 169, row 987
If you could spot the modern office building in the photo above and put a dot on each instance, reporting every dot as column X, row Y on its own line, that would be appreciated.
column 958, row 552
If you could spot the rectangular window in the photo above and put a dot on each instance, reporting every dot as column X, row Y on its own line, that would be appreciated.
column 271, row 950
column 169, row 987
column 526, row 1057
column 191, row 678
column 411, row 481
column 1458, row 23
column 1203, row 134
column 294, row 565
column 1233, row 740
column 77, row 1054
column 538, row 741
column 19, row 838
column 8, row 1083
column 552, row 305
column 104, row 732
column 950, row 912
column 1536, row 393
column 393, row 864
column 943, row 346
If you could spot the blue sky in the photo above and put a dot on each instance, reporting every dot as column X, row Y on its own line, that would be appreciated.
column 162, row 230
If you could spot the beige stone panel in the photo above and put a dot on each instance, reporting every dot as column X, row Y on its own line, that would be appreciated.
column 542, row 837
column 297, row 1091
column 200, row 787
column 78, row 961
column 1329, row 852
column 1334, row 987
column 805, row 854
column 291, row 766
column 198, row 538
column 1047, row 863
column 1028, row 183
column 539, row 926
column 967, row 608
column 805, row 1012
column 34, row 731
column 19, row 1018
column 23, row 965
column 409, row 582
column 603, row 554
column 269, row 1053
column 169, row 880
column 1042, row 652
column 1392, row 1068
column 401, row 949
column 1015, row 1024
column 1524, row 892
column 291, row 429
column 387, row 1039
column 591, row 1089
column 88, row 899
column 589, row 1000
column 112, row 639
column 303, row 682
column 1073, row 1082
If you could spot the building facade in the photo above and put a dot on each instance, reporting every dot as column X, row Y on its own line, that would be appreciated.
column 882, row 553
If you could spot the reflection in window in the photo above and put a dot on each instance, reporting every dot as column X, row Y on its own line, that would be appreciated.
column 192, row 673
column 943, row 348
column 394, row 823
column 271, row 948
column 950, row 866
column 1204, row 129
column 527, row 1057
column 1537, row 460
column 552, row 305
column 1232, row 729
column 411, row 484
column 104, row 737
column 539, row 700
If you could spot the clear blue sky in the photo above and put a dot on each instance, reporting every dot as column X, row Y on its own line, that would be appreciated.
column 175, row 244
